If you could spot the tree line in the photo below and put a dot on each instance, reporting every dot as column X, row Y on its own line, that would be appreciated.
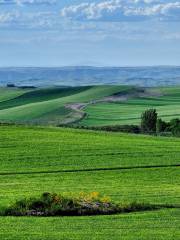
column 151, row 123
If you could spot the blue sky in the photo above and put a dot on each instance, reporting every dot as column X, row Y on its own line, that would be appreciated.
column 84, row 32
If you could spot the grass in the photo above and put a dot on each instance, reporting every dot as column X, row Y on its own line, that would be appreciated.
column 7, row 94
column 47, row 106
column 155, row 185
column 51, row 149
column 125, row 167
column 40, row 95
column 129, row 112
column 161, row 225
column 44, row 106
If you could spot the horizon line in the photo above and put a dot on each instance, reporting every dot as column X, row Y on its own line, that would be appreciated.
column 91, row 66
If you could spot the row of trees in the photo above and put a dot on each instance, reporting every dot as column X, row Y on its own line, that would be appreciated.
column 150, row 123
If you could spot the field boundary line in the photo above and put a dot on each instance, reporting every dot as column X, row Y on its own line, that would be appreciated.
column 88, row 170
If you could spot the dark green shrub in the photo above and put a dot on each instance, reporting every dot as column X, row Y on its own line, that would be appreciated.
column 84, row 204
column 175, row 127
column 148, row 121
column 120, row 128
column 109, row 128
column 161, row 126
column 58, row 205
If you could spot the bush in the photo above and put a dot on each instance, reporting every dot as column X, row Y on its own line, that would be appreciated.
column 161, row 126
column 57, row 205
column 175, row 127
column 85, row 204
column 119, row 128
column 109, row 128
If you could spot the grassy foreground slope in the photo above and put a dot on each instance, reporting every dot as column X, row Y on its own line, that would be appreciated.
column 124, row 167
column 161, row 225
column 52, row 149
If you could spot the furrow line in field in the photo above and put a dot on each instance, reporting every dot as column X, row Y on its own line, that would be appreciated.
column 88, row 170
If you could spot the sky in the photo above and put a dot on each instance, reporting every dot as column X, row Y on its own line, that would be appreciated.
column 91, row 33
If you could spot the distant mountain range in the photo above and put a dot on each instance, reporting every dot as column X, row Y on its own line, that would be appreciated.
column 80, row 76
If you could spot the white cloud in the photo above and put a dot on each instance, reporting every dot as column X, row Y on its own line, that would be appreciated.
column 118, row 19
column 19, row 19
column 121, row 10
column 8, row 17
column 26, row 2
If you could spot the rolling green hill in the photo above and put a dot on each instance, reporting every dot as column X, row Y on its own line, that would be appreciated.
column 89, row 106
column 165, row 100
column 125, row 167
column 48, row 105
column 10, row 93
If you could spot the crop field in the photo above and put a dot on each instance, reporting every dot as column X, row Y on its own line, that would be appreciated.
column 167, row 102
column 48, row 106
column 125, row 167
column 88, row 106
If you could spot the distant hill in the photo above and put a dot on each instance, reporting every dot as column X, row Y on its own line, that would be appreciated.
column 80, row 76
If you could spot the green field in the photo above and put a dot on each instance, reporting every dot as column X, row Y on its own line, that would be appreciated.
column 47, row 106
column 53, row 106
column 159, row 225
column 129, row 112
column 124, row 167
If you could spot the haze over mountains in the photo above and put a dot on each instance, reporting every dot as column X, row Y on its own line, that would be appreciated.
column 80, row 76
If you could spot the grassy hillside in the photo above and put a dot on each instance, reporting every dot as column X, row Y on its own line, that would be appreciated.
column 48, row 105
column 40, row 95
column 91, row 151
column 125, row 167
column 165, row 100
column 10, row 93
column 89, row 106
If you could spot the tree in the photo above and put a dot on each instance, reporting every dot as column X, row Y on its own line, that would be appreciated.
column 175, row 127
column 148, row 121
column 161, row 126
